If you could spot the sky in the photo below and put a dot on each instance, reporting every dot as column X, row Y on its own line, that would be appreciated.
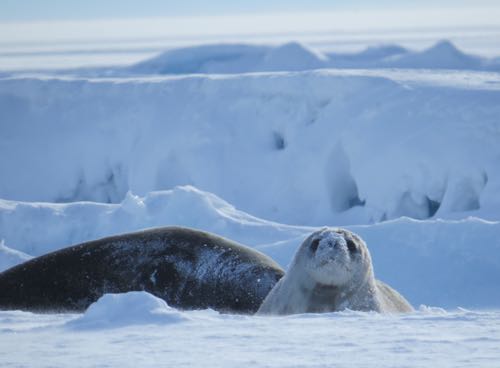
column 71, row 33
column 29, row 10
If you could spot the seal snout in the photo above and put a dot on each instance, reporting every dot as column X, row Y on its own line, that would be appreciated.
column 328, row 248
column 332, row 240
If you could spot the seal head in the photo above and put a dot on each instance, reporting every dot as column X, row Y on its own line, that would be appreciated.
column 331, row 271
column 335, row 258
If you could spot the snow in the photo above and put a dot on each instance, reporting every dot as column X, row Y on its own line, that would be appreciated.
column 288, row 134
column 458, row 338
column 293, row 56
column 408, row 254
column 38, row 228
column 262, row 142
column 227, row 58
column 118, row 310
column 10, row 257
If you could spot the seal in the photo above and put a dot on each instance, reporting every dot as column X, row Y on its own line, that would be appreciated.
column 332, row 271
column 187, row 268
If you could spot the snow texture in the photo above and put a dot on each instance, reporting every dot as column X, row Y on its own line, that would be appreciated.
column 432, row 336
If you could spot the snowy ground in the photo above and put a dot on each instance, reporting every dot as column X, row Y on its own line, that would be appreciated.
column 268, row 140
column 205, row 339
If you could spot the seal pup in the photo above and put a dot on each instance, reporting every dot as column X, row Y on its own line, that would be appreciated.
column 189, row 269
column 332, row 271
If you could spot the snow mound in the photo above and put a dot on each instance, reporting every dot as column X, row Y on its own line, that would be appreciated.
column 39, row 228
column 120, row 310
column 292, row 56
column 443, row 55
column 227, row 58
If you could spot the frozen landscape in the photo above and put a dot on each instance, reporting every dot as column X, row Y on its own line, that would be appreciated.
column 261, row 139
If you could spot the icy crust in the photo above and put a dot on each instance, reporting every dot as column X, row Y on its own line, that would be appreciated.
column 446, row 263
column 350, row 147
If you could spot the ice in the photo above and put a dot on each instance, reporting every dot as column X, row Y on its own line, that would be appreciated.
column 349, row 147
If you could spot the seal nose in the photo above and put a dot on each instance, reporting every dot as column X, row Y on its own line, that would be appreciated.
column 339, row 244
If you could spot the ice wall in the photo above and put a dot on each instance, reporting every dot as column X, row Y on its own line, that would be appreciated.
column 323, row 147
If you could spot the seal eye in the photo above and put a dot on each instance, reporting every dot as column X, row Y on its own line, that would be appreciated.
column 351, row 246
column 314, row 245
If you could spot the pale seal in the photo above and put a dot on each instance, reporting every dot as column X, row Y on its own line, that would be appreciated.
column 189, row 269
column 332, row 271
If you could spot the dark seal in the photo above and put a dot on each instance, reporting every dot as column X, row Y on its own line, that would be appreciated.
column 189, row 269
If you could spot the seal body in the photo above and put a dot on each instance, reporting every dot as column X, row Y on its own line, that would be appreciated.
column 189, row 269
column 332, row 271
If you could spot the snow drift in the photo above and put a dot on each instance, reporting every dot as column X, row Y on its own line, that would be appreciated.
column 38, row 228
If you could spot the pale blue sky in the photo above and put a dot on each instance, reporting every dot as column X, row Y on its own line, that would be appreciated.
column 11, row 10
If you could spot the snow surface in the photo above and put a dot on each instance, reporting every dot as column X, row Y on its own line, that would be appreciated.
column 430, row 336
column 399, row 145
